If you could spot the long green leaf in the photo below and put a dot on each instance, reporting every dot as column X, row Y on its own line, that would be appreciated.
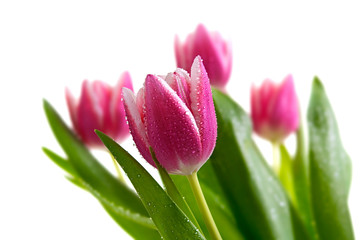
column 301, row 184
column 222, row 215
column 171, row 222
column 330, row 169
column 86, row 172
column 286, row 173
column 61, row 162
column 88, row 168
column 302, row 221
column 258, row 201
column 207, row 177
column 136, row 225
column 173, row 192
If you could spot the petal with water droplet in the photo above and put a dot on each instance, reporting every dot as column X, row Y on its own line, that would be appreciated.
column 171, row 128
column 136, row 125
column 202, row 107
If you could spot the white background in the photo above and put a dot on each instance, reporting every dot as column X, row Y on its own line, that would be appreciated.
column 46, row 46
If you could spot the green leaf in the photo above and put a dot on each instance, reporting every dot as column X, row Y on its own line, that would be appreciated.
column 258, row 201
column 76, row 181
column 138, row 226
column 286, row 173
column 61, row 162
column 89, row 169
column 171, row 222
column 301, row 184
column 208, row 178
column 221, row 213
column 173, row 192
column 330, row 169
column 85, row 171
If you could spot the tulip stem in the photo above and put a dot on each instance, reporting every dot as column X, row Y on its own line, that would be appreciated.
column 203, row 207
column 117, row 168
column 276, row 158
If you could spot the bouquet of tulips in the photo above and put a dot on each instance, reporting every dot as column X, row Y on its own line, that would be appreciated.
column 215, row 182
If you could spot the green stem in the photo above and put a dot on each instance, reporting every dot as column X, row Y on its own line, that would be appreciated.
column 117, row 168
column 276, row 158
column 203, row 207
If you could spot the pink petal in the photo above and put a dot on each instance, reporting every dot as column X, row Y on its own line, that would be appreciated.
column 89, row 115
column 256, row 108
column 171, row 128
column 101, row 95
column 136, row 125
column 207, row 49
column 202, row 107
column 285, row 111
column 179, row 81
column 140, row 101
column 120, row 129
column 274, row 109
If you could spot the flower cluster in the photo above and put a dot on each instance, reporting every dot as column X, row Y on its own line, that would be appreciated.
column 179, row 123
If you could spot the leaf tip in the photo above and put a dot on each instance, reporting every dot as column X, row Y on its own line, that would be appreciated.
column 46, row 104
column 317, row 82
column 102, row 136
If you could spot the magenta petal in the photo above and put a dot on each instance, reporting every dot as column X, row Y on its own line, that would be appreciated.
column 203, row 108
column 285, row 110
column 136, row 125
column 274, row 109
column 120, row 129
column 171, row 128
column 89, row 116
column 179, row 81
column 209, row 50
column 140, row 103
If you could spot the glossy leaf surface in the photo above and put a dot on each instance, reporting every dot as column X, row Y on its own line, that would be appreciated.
column 171, row 222
column 257, row 199
column 86, row 172
column 330, row 169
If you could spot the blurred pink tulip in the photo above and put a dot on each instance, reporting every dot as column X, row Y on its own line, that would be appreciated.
column 274, row 109
column 99, row 107
column 175, row 116
column 215, row 52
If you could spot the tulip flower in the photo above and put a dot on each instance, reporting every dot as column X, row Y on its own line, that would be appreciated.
column 174, row 115
column 99, row 107
column 274, row 109
column 215, row 52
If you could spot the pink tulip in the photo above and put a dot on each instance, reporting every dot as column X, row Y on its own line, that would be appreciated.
column 99, row 107
column 175, row 116
column 216, row 53
column 274, row 109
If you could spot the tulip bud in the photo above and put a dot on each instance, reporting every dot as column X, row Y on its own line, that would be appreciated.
column 175, row 116
column 274, row 109
column 215, row 52
column 99, row 107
